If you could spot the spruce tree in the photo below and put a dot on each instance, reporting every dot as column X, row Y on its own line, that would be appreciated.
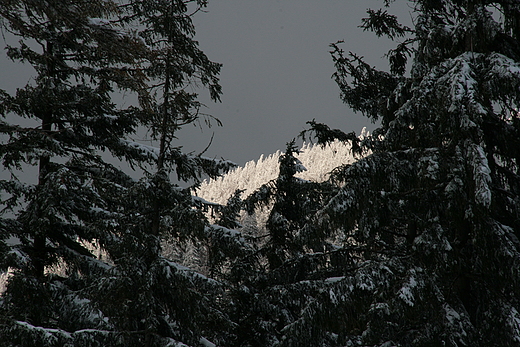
column 265, row 293
column 79, row 58
column 430, row 218
column 160, row 302
column 88, row 268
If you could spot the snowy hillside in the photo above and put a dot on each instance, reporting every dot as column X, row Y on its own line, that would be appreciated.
column 318, row 161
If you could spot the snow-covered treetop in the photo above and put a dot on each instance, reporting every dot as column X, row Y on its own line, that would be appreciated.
column 318, row 160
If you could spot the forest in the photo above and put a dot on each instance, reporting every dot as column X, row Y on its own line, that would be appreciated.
column 405, row 236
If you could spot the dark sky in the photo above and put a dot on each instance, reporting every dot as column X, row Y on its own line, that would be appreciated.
column 276, row 70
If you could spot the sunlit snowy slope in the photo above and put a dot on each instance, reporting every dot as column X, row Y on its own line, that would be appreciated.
column 318, row 161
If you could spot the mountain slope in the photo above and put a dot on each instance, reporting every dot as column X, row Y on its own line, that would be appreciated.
column 318, row 160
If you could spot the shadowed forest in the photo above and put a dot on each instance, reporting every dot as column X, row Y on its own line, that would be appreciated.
column 407, row 236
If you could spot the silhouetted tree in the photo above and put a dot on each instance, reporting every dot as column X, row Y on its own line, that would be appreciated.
column 431, row 216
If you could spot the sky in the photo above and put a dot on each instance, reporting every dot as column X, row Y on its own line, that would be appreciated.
column 276, row 71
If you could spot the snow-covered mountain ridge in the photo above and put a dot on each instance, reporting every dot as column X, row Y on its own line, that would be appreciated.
column 318, row 160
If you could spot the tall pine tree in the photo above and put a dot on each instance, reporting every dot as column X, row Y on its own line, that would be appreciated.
column 62, row 292
column 160, row 302
column 423, row 232
column 79, row 58
column 266, row 294
column 431, row 216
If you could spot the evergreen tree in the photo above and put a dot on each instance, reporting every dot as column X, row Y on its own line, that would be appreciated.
column 287, row 213
column 430, row 218
column 263, row 294
column 319, row 160
column 129, row 294
column 79, row 58
column 160, row 302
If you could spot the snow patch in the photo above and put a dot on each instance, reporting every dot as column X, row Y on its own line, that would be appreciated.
column 333, row 297
column 186, row 271
column 151, row 152
column 406, row 292
column 380, row 307
column 206, row 343
column 100, row 22
column 514, row 323
column 334, row 279
column 482, row 177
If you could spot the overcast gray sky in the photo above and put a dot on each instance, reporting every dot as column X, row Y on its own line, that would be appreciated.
column 276, row 70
